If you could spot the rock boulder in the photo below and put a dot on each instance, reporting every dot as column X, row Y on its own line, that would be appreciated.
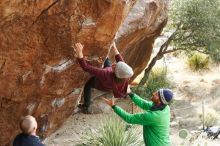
column 39, row 74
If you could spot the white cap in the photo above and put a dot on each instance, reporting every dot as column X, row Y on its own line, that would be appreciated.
column 122, row 70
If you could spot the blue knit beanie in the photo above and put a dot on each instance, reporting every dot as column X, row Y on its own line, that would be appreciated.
column 166, row 95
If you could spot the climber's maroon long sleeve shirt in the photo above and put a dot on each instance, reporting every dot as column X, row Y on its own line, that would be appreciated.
column 105, row 78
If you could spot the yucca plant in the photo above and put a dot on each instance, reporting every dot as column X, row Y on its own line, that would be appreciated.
column 157, row 79
column 198, row 62
column 113, row 132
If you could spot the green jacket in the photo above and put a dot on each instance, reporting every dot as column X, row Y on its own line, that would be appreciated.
column 156, row 124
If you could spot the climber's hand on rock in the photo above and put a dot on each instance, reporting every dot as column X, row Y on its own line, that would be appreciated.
column 115, row 48
column 78, row 49
column 114, row 45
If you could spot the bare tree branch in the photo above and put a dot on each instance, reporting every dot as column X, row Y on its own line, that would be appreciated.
column 158, row 56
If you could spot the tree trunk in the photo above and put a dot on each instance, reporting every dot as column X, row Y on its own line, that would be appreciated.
column 149, row 68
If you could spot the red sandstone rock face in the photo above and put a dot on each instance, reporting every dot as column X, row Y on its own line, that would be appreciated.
column 39, row 74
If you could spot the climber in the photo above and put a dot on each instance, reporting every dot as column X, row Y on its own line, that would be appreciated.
column 112, row 78
column 28, row 137
column 155, row 119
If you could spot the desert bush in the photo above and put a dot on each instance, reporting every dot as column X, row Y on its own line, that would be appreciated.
column 113, row 132
column 198, row 62
column 210, row 117
column 157, row 79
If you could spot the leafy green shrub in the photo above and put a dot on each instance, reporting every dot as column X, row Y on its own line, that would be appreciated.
column 197, row 26
column 198, row 62
column 113, row 132
column 157, row 79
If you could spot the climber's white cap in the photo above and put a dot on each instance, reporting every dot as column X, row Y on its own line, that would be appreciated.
column 122, row 70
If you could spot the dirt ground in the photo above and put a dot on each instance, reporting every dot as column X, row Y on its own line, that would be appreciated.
column 190, row 88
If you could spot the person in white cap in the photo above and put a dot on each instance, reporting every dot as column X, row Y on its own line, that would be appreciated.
column 155, row 118
column 28, row 137
column 112, row 78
